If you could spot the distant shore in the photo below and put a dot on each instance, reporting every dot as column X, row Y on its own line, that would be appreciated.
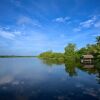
column 15, row 56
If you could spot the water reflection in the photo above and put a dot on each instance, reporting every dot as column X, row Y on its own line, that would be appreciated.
column 6, row 79
column 34, row 79
column 71, row 67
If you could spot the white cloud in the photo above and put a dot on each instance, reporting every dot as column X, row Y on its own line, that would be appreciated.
column 24, row 20
column 17, row 32
column 6, row 34
column 88, row 23
column 95, row 35
column 61, row 19
column 77, row 29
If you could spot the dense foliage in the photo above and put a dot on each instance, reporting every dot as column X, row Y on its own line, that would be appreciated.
column 71, row 58
column 72, row 53
column 53, row 56
column 93, row 49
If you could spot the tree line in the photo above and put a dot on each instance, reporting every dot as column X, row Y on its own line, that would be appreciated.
column 71, row 52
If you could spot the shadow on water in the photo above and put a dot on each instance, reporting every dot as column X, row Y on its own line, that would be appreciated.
column 72, row 65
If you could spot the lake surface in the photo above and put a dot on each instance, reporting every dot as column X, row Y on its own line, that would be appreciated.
column 32, row 79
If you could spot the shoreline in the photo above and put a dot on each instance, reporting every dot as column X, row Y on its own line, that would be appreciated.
column 16, row 56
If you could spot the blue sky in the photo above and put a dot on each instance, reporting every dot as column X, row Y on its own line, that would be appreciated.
column 28, row 27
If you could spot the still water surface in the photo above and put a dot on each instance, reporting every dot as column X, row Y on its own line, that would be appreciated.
column 31, row 79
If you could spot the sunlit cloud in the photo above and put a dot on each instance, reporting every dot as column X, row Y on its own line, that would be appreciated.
column 88, row 23
column 6, row 34
column 93, row 22
column 61, row 19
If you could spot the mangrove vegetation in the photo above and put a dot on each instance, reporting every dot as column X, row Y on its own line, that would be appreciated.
column 71, row 52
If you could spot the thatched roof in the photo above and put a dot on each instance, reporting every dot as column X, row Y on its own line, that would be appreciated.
column 88, row 56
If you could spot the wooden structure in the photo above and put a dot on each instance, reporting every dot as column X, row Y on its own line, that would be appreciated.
column 88, row 66
column 87, row 59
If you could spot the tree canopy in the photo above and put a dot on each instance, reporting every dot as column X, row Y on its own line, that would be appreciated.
column 71, row 52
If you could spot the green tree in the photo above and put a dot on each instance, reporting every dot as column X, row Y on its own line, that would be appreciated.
column 70, row 51
column 82, row 51
column 98, row 40
column 47, row 54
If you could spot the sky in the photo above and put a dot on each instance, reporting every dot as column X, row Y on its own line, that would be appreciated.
column 29, row 27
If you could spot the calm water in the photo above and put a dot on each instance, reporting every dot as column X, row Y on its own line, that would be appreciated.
column 31, row 79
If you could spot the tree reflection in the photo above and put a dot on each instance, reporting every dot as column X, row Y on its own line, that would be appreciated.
column 71, row 65
column 97, row 66
column 50, row 62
